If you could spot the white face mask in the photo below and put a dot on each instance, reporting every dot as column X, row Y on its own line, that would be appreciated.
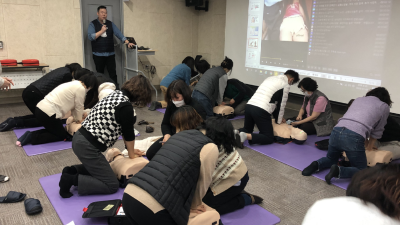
column 179, row 103
column 307, row 94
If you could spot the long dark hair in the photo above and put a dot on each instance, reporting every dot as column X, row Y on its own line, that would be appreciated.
column 140, row 89
column 221, row 132
column 380, row 186
column 189, row 61
column 382, row 94
column 201, row 64
column 178, row 87
column 186, row 118
column 73, row 67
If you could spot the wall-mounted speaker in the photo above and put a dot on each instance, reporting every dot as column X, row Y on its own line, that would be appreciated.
column 194, row 3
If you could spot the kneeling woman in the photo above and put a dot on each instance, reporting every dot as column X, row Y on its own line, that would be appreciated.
column 319, row 118
column 177, row 95
column 355, row 132
column 112, row 117
column 36, row 91
column 55, row 106
column 226, row 193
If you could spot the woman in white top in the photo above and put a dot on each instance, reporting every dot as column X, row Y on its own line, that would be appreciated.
column 373, row 198
column 55, row 106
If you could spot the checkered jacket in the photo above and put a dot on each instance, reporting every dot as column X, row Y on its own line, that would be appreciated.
column 101, row 121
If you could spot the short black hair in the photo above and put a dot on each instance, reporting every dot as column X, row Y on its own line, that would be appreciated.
column 101, row 7
column 81, row 72
column 89, row 80
column 73, row 67
column 382, row 94
column 227, row 63
column 308, row 84
column 293, row 74
column 221, row 132
column 178, row 87
column 201, row 64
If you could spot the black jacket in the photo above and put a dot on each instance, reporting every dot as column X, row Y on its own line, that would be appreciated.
column 167, row 128
column 52, row 79
column 171, row 176
column 244, row 90
column 391, row 132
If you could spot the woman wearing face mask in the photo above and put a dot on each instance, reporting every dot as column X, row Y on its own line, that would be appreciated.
column 318, row 119
column 211, row 87
column 178, row 95
column 36, row 92
column 55, row 106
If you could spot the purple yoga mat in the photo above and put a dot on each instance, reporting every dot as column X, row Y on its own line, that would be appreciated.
column 31, row 150
column 235, row 118
column 299, row 156
column 70, row 209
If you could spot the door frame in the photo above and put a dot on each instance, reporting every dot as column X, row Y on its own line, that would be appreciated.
column 121, row 11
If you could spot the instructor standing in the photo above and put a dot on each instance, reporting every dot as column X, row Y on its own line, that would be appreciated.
column 100, row 33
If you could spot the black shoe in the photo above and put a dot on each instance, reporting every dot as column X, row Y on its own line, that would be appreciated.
column 237, row 140
column 333, row 173
column 5, row 122
column 7, row 125
column 149, row 129
column 309, row 170
column 155, row 105
column 254, row 198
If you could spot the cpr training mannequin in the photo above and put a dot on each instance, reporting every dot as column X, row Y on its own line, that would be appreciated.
column 376, row 156
column 124, row 167
column 285, row 133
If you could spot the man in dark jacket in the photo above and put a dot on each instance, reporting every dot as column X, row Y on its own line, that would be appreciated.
column 100, row 33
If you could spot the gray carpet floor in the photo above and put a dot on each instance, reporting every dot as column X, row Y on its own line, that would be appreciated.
column 286, row 193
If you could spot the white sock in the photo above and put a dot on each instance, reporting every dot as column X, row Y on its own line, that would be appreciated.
column 243, row 136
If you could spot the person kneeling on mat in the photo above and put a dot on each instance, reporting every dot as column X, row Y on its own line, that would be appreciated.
column 55, row 106
column 237, row 94
column 319, row 118
column 366, row 118
column 36, row 91
column 211, row 87
column 372, row 198
column 178, row 96
column 185, row 118
column 183, row 72
column 226, row 192
column 270, row 98
column 107, row 121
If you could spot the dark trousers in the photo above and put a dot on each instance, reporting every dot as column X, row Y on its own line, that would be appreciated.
column 139, row 214
column 205, row 102
column 229, row 200
column 31, row 96
column 308, row 127
column 102, row 62
column 154, row 148
column 100, row 178
column 257, row 116
column 54, row 130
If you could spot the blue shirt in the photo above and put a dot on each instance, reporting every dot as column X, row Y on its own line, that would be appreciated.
column 92, row 37
column 179, row 72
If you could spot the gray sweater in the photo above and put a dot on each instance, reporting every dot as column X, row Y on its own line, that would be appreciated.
column 209, row 84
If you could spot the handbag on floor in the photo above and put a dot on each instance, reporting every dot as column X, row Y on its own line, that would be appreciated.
column 322, row 145
column 225, row 111
column 111, row 209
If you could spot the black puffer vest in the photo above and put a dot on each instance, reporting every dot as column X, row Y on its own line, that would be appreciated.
column 171, row 176
column 52, row 79
column 102, row 44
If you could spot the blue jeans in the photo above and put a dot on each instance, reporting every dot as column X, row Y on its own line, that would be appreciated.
column 205, row 102
column 343, row 139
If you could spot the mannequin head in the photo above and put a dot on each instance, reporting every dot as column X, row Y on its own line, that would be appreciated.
column 113, row 154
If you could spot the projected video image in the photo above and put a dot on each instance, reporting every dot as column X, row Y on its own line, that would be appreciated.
column 287, row 20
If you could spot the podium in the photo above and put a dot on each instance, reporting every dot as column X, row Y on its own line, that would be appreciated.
column 132, row 65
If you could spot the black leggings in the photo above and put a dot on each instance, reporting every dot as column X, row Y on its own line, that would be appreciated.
column 154, row 148
column 139, row 214
column 229, row 200
column 31, row 96
column 54, row 130
column 257, row 116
